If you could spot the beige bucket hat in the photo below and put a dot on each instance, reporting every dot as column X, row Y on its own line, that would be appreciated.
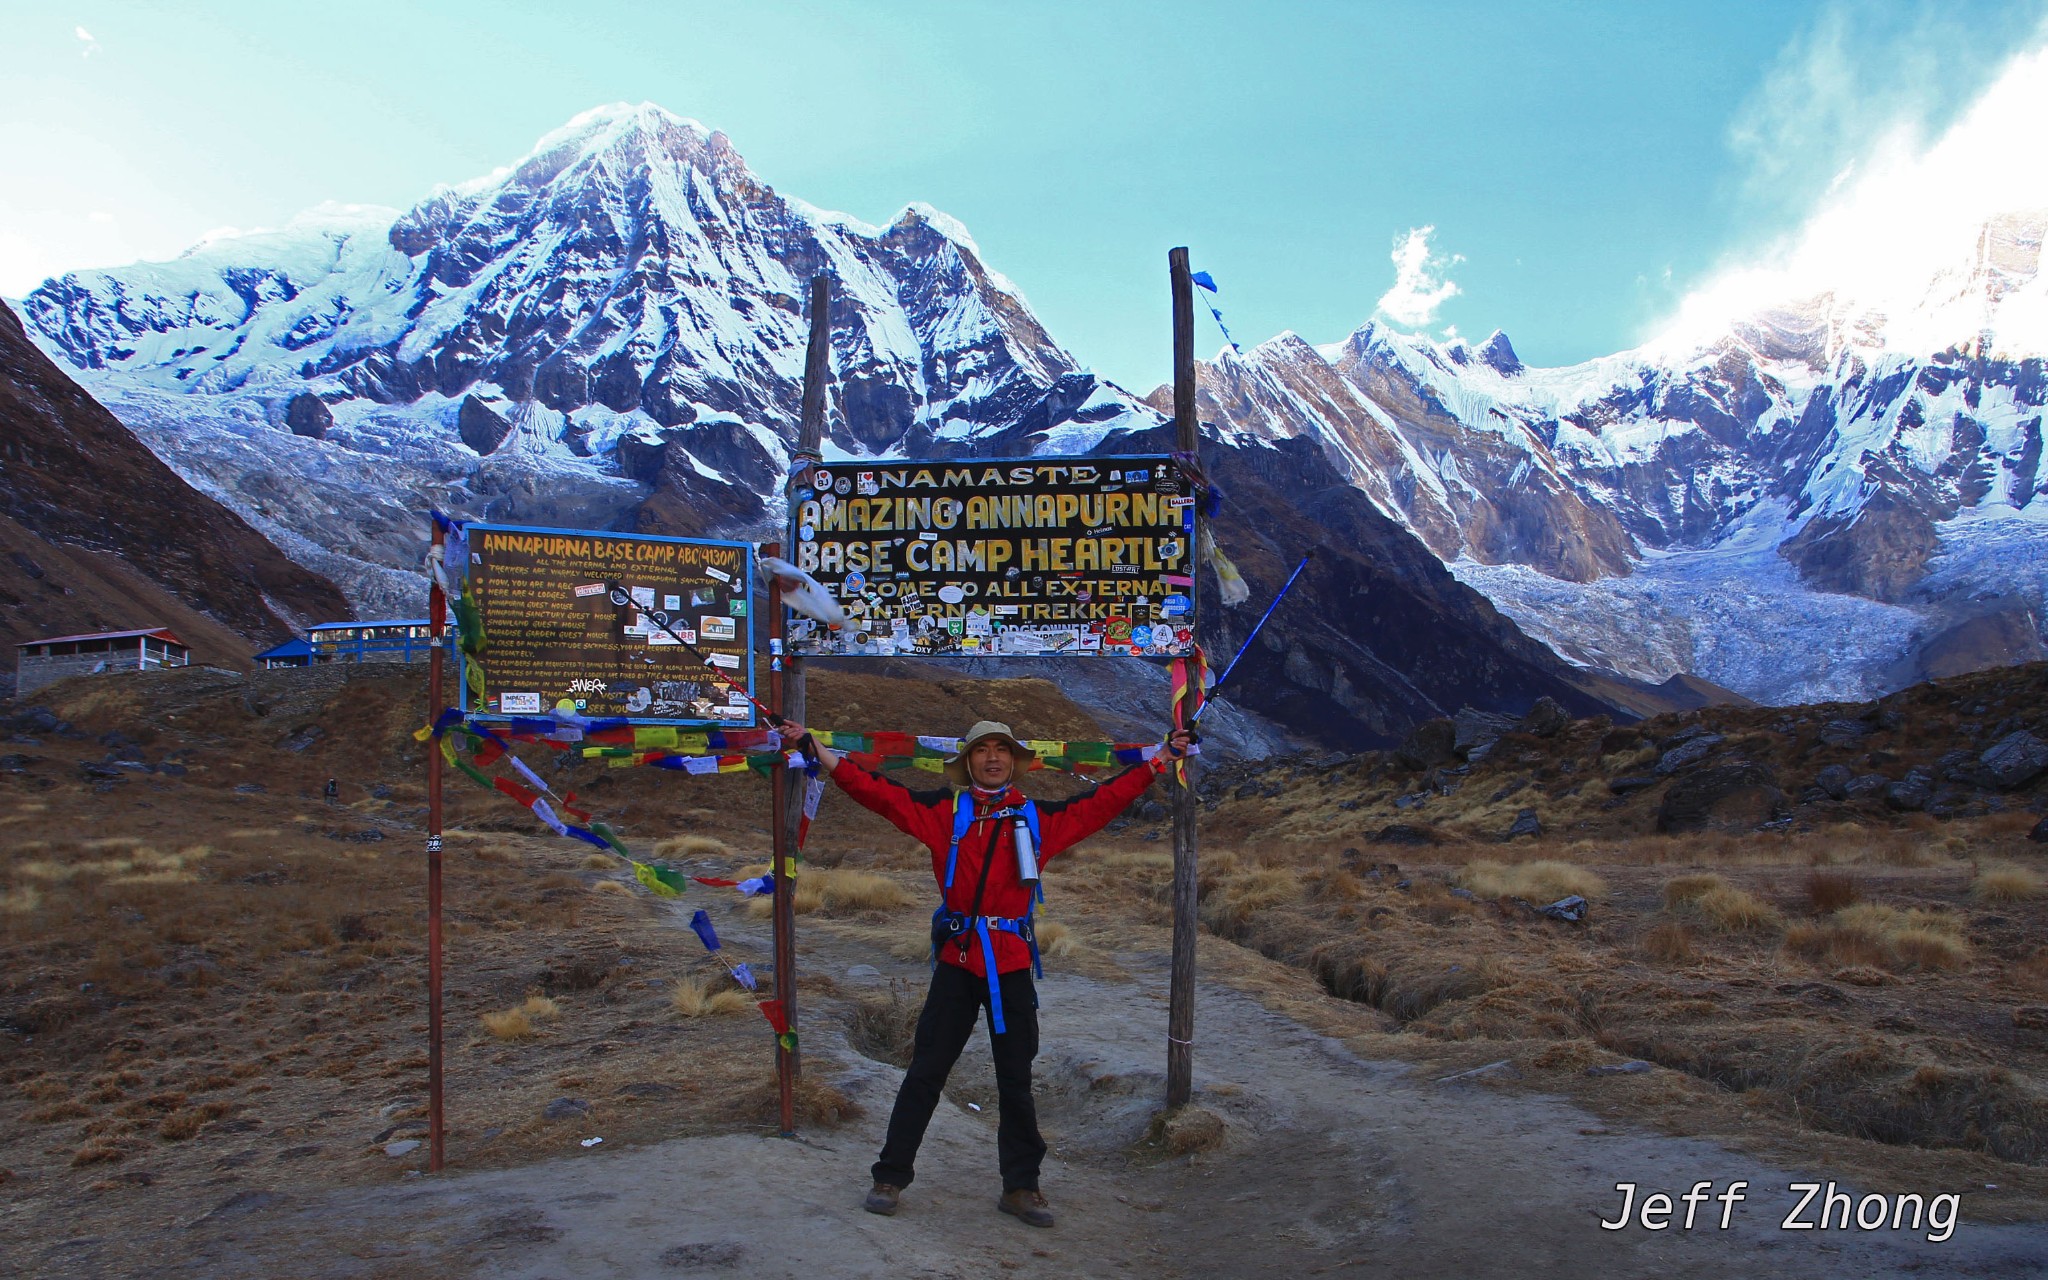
column 956, row 768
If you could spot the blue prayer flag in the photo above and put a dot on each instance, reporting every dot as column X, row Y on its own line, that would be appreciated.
column 701, row 922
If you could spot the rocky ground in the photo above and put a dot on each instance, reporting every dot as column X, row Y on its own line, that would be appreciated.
column 212, row 997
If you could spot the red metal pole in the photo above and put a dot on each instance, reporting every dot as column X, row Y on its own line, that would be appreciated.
column 786, row 1064
column 437, row 604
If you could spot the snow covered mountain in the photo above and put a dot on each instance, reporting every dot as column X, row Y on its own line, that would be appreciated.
column 1823, row 500
column 623, row 307
column 1826, row 498
column 611, row 334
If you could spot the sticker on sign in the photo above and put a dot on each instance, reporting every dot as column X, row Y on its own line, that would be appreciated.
column 513, row 704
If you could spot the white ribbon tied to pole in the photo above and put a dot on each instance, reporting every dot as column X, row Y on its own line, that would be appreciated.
column 803, row 593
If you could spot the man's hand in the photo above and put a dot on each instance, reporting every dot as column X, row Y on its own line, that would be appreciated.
column 795, row 735
column 1178, row 742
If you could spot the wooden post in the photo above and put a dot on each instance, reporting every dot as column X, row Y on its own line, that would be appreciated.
column 782, row 840
column 1180, row 1009
column 789, row 702
column 437, row 606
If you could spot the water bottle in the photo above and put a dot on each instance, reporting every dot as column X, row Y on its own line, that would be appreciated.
column 1027, row 857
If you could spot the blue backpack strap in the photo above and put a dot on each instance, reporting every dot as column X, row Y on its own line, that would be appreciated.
column 963, row 818
column 995, row 986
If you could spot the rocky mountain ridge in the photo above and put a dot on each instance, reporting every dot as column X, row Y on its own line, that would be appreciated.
column 1868, row 474
column 101, row 535
column 609, row 334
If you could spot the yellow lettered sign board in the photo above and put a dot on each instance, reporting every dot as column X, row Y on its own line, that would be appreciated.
column 1027, row 556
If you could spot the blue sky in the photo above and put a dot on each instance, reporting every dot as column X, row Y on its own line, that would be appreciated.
column 1583, row 167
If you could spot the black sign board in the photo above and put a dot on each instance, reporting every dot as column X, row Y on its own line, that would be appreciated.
column 553, row 631
column 1037, row 556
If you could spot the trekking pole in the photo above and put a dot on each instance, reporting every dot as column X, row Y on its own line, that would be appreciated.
column 1223, row 679
column 659, row 617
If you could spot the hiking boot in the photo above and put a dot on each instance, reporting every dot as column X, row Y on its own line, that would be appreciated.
column 1027, row 1205
column 882, row 1199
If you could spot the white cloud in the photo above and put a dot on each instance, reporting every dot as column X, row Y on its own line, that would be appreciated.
column 1899, row 224
column 92, row 46
column 1421, row 285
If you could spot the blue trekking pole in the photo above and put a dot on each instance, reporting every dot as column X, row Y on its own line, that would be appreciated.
column 1223, row 679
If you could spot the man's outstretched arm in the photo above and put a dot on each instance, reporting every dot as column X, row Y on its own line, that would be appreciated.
column 894, row 801
column 1066, row 824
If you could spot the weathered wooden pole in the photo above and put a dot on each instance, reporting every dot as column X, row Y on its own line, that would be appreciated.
column 1180, row 1009
column 783, row 842
column 437, row 608
column 789, row 808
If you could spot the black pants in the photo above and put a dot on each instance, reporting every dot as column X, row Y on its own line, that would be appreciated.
column 956, row 1000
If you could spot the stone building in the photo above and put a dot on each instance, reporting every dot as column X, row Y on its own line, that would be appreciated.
column 44, row 662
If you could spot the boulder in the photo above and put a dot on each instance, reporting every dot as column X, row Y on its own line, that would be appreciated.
column 641, row 456
column 1546, row 719
column 2014, row 761
column 2039, row 835
column 307, row 415
column 1477, row 731
column 482, row 428
column 1631, row 783
column 1428, row 744
column 1402, row 833
column 1910, row 795
column 1835, row 780
column 1957, row 766
column 1844, row 733
column 1737, row 796
column 1691, row 751
column 1866, row 785
column 1526, row 824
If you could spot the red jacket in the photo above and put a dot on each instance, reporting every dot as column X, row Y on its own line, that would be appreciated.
column 927, row 816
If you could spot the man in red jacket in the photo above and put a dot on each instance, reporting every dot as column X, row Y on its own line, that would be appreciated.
column 982, row 928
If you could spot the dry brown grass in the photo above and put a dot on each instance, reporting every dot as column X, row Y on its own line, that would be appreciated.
column 2007, row 884
column 836, row 892
column 508, row 1024
column 1056, row 939
column 692, row 847
column 1186, row 1131
column 615, row 887
column 883, row 1025
column 1718, row 904
column 693, row 998
column 1544, row 880
column 1669, row 943
column 1828, row 891
column 541, row 1007
column 599, row 862
column 1879, row 936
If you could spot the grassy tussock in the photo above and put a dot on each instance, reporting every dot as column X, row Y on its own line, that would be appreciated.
column 692, row 847
column 1055, row 939
column 1878, row 936
column 1541, row 881
column 2007, row 884
column 693, row 998
column 1669, row 943
column 611, row 886
column 1714, row 902
column 836, row 892
column 508, row 1024
column 1832, row 890
column 600, row 862
column 883, row 1026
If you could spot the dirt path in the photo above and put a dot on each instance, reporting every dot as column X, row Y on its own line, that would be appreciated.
column 1332, row 1166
